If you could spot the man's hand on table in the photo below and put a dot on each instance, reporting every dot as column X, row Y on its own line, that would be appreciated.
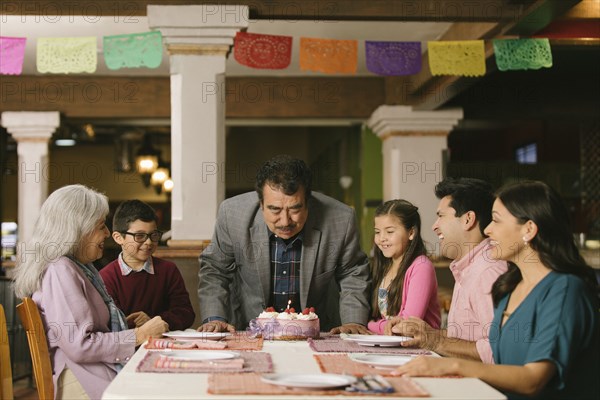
column 423, row 335
column 351, row 328
column 216, row 326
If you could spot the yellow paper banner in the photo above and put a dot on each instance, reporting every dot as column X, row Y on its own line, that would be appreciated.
column 466, row 58
column 328, row 56
column 66, row 55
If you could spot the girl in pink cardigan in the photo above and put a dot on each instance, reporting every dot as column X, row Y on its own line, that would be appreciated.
column 404, row 278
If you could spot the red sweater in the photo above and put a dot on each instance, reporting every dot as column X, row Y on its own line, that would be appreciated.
column 162, row 294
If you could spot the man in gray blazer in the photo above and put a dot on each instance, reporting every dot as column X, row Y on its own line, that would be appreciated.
column 284, row 246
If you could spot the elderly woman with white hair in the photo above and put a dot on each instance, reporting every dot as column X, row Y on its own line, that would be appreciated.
column 87, row 334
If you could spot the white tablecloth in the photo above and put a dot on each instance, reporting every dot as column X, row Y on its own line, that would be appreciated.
column 288, row 357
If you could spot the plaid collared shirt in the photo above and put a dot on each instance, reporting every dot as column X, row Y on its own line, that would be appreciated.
column 285, row 270
column 126, row 269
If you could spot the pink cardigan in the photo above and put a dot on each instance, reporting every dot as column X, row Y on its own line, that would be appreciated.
column 419, row 296
column 76, row 321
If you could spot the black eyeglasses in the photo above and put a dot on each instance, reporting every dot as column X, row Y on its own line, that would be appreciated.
column 141, row 237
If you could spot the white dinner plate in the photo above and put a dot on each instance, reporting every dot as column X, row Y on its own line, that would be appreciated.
column 376, row 340
column 196, row 335
column 310, row 381
column 199, row 355
column 381, row 360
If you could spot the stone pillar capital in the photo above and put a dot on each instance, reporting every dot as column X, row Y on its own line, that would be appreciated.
column 198, row 29
column 387, row 121
column 26, row 126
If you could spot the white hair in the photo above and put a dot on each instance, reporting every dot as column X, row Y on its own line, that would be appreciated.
column 67, row 216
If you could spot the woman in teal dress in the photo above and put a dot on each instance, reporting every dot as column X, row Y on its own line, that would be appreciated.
column 546, row 328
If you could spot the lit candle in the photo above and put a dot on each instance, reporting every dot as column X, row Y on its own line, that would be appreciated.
column 288, row 306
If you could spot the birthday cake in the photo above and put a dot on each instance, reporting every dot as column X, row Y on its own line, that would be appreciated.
column 287, row 325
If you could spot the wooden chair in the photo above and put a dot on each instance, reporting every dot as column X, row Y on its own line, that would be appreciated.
column 38, row 347
column 6, row 388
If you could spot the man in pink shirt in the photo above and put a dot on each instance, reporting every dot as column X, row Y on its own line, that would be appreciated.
column 464, row 211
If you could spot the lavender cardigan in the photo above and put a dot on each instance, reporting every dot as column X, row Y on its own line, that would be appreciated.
column 77, row 328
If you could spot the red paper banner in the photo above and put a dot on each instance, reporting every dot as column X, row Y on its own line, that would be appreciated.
column 262, row 51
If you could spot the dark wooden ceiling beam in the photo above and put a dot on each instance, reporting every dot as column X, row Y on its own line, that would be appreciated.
column 149, row 97
column 323, row 10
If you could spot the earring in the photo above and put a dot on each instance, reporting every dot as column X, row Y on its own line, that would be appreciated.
column 525, row 242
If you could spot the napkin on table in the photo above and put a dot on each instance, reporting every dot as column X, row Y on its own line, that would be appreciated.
column 154, row 344
column 173, row 362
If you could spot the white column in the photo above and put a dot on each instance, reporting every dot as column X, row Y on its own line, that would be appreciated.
column 413, row 142
column 198, row 39
column 32, row 132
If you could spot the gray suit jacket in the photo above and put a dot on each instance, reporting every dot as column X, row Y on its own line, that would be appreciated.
column 235, row 270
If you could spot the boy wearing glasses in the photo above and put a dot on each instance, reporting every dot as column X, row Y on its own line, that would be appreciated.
column 141, row 285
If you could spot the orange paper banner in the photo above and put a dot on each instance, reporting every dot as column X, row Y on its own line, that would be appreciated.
column 328, row 56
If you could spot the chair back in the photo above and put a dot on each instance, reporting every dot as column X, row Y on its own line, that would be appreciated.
column 6, row 387
column 38, row 347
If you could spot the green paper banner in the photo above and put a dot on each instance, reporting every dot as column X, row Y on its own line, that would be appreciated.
column 520, row 54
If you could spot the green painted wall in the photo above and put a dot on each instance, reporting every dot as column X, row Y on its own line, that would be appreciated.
column 371, row 178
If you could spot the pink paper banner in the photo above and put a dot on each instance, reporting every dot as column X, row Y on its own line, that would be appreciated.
column 12, row 51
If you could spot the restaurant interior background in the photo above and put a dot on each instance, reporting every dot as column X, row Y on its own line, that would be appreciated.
column 537, row 124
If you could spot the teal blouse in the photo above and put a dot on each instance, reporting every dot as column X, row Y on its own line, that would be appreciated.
column 558, row 321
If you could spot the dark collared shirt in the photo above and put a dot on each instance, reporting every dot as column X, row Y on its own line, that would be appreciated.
column 285, row 270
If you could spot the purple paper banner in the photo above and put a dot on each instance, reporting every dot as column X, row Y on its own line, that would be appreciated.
column 12, row 51
column 393, row 58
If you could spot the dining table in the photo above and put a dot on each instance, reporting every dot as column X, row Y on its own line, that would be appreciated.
column 286, row 357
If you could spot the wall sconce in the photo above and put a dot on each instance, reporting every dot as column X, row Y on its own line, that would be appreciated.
column 146, row 160
column 124, row 150
column 168, row 186
column 159, row 177
column 64, row 137
column 345, row 183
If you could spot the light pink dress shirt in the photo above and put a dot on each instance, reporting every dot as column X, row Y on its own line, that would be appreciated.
column 419, row 295
column 472, row 310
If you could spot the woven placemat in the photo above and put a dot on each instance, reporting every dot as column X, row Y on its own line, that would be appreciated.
column 251, row 384
column 253, row 362
column 334, row 344
column 342, row 364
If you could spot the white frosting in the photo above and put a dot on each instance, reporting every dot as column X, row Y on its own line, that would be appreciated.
column 288, row 316
column 285, row 315
column 268, row 314
column 308, row 317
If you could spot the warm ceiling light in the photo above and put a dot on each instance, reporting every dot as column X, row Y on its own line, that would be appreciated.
column 168, row 185
column 146, row 164
column 88, row 129
column 146, row 160
column 158, row 178
column 64, row 142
